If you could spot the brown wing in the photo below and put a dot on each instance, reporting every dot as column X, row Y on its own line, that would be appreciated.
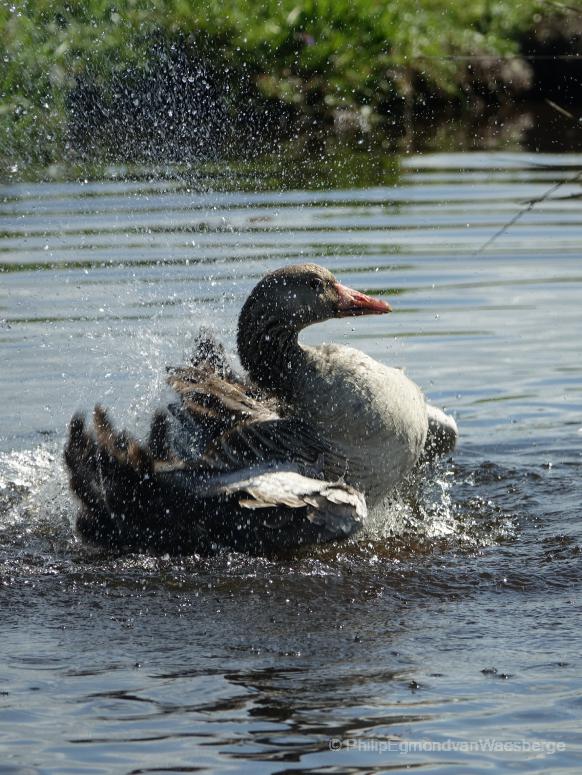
column 223, row 438
column 133, row 501
column 213, row 399
column 235, row 423
column 256, row 443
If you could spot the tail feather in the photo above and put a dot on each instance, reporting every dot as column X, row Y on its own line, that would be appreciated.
column 159, row 439
column 442, row 436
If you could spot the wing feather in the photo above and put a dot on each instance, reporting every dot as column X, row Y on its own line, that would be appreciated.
column 227, row 465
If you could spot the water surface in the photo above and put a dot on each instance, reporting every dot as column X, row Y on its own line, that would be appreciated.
column 446, row 638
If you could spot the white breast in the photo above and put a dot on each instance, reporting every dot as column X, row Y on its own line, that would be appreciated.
column 374, row 416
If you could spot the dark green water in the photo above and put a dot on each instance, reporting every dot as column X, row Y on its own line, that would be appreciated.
column 445, row 639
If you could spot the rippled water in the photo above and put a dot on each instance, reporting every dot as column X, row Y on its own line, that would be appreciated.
column 446, row 638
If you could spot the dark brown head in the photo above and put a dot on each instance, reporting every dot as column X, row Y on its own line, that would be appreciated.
column 302, row 294
column 282, row 304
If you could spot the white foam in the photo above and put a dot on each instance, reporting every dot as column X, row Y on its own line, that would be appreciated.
column 35, row 485
column 424, row 509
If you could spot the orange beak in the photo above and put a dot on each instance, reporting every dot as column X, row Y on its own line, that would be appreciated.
column 353, row 303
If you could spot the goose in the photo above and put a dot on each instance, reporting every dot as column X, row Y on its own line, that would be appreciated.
column 291, row 453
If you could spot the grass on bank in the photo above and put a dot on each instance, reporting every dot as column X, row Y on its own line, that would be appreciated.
column 314, row 57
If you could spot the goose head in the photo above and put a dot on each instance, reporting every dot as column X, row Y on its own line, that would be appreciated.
column 279, row 307
column 299, row 295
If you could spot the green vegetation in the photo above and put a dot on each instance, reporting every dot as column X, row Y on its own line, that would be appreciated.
column 71, row 69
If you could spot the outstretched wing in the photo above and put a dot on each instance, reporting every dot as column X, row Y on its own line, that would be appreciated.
column 132, row 499
column 228, row 465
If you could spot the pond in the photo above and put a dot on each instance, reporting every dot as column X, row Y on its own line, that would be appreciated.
column 448, row 635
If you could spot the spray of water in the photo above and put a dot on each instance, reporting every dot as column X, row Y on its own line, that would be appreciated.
column 36, row 511
column 37, row 515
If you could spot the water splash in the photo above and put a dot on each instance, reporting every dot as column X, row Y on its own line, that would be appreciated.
column 423, row 507
column 436, row 509
column 438, row 506
column 35, row 502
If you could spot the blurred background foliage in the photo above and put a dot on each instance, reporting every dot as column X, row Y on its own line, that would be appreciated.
column 176, row 77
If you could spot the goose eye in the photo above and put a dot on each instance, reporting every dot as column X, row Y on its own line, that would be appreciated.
column 317, row 284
